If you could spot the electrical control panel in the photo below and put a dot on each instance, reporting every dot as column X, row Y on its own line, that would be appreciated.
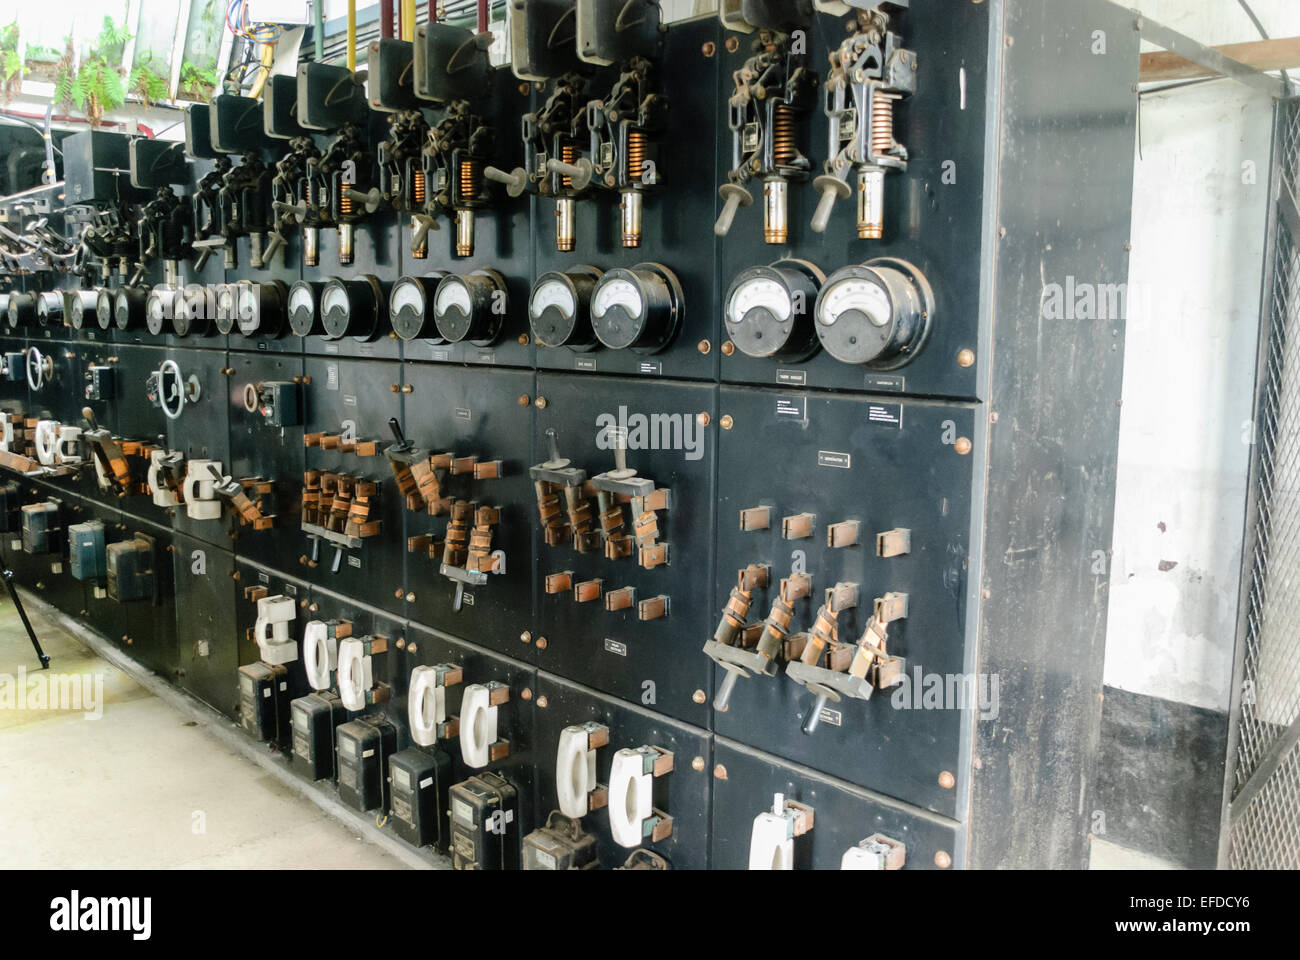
column 645, row 454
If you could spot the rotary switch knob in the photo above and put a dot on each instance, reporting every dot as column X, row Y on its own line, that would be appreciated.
column 769, row 310
column 470, row 307
column 559, row 308
column 638, row 308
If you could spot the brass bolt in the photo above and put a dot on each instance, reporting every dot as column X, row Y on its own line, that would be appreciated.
column 733, row 44
column 947, row 780
column 698, row 696
column 541, row 703
column 985, row 593
column 524, row 88
column 524, row 340
column 993, row 417
column 709, row 49
column 228, row 371
column 526, row 636
column 302, row 604
column 394, row 387
column 412, row 648
column 540, row 403
column 303, row 559
column 526, row 694
column 125, row 638
column 962, row 446
column 942, row 860
column 314, row 607
column 234, row 574
column 965, row 357
column 129, row 641
column 719, row 772
column 401, row 643
column 541, row 643
column 410, row 598
column 408, row 388
column 726, row 422
column 697, row 764
column 399, row 593
column 704, row 347
column 728, row 348
column 702, row 419
column 524, row 400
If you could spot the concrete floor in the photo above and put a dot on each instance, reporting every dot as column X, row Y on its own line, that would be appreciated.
column 144, row 785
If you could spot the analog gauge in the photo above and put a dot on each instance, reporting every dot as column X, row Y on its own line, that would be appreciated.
column 227, row 308
column 408, row 308
column 158, row 309
column 104, row 300
column 558, row 308
column 303, row 318
column 878, row 313
column 352, row 308
column 49, row 308
column 128, row 307
column 22, row 310
column 769, row 310
column 80, row 304
column 638, row 308
column 471, row 307
column 259, row 309
column 192, row 310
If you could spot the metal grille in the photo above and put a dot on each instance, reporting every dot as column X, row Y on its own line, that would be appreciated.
column 1264, row 814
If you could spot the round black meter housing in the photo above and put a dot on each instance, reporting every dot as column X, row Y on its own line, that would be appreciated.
column 158, row 307
column 768, row 312
column 226, row 308
column 81, row 305
column 260, row 309
column 104, row 298
column 559, row 308
column 877, row 314
column 193, row 311
column 352, row 308
column 22, row 310
column 638, row 308
column 470, row 307
column 49, row 308
column 303, row 303
column 410, row 307
column 128, row 307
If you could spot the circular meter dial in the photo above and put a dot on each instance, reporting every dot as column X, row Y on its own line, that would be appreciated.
column 22, row 310
column 878, row 313
column 192, row 311
column 304, row 320
column 352, row 308
column 409, row 307
column 769, row 310
column 81, row 304
column 158, row 308
column 227, row 307
column 129, row 308
column 558, row 308
column 470, row 307
column 104, row 307
column 260, row 309
column 637, row 308
column 49, row 307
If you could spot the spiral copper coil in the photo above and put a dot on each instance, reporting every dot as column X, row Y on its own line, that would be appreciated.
column 568, row 153
column 417, row 187
column 471, row 179
column 345, row 203
column 882, row 125
column 636, row 155
column 784, row 151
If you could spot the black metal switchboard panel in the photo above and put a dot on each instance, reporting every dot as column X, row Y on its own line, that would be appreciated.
column 807, row 502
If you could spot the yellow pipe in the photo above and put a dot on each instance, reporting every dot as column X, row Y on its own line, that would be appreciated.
column 408, row 20
column 352, row 35
column 268, row 58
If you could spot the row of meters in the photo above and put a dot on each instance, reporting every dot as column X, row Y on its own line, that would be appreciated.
column 876, row 313
column 336, row 734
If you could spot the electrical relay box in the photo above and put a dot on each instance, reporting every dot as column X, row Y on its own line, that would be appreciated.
column 420, row 779
column 86, row 551
column 42, row 528
column 315, row 719
column 484, row 823
column 363, row 748
column 129, row 565
column 264, row 702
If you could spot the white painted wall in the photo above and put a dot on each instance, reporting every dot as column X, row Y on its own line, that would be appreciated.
column 1199, row 208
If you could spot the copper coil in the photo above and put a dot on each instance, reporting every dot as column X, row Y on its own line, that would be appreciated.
column 784, row 150
column 882, row 124
column 345, row 204
column 471, row 179
column 417, row 186
column 568, row 153
column 636, row 155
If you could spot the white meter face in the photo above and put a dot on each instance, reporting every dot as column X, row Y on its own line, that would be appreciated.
column 760, row 292
column 453, row 293
column 300, row 299
column 855, row 293
column 334, row 298
column 247, row 303
column 406, row 296
column 617, row 293
column 552, row 293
